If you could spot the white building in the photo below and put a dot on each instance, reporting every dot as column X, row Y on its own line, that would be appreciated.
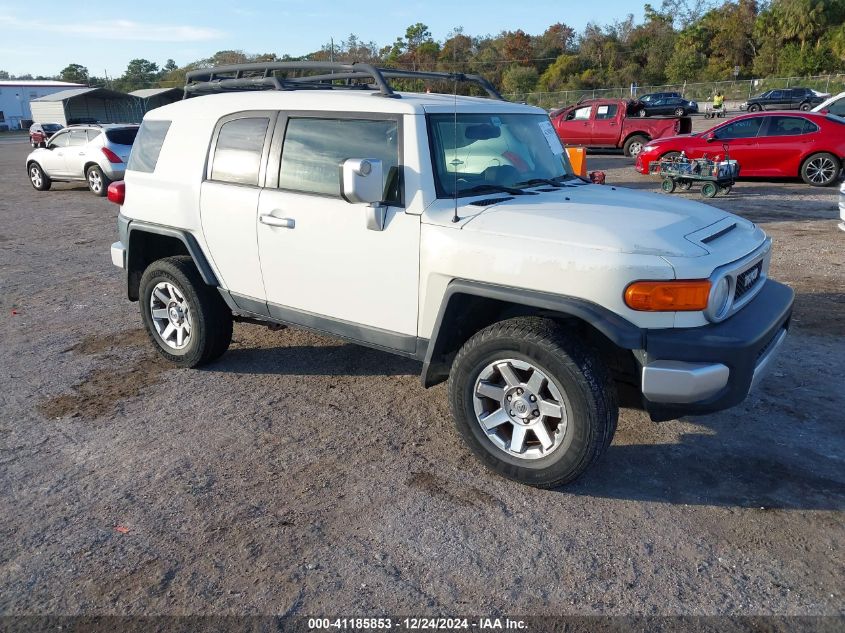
column 15, row 95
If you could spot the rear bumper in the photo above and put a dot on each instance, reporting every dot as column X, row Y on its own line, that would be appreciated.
column 710, row 368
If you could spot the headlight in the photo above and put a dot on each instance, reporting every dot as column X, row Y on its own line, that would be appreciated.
column 720, row 299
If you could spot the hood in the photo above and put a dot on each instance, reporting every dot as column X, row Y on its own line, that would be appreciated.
column 669, row 139
column 604, row 218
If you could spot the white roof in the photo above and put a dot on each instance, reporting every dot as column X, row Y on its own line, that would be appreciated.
column 217, row 105
column 38, row 83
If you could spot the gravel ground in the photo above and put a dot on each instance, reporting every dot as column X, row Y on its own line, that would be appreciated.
column 303, row 475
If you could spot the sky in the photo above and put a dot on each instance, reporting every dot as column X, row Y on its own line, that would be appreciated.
column 45, row 43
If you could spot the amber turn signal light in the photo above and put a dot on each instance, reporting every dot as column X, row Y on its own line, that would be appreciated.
column 668, row 296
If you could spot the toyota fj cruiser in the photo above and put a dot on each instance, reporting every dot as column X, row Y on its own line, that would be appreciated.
column 447, row 229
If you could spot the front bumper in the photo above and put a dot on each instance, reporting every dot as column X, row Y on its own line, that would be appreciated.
column 705, row 369
column 118, row 255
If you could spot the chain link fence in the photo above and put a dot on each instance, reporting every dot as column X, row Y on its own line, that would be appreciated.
column 735, row 92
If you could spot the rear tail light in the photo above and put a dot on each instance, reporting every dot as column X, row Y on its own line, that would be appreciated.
column 113, row 158
column 117, row 192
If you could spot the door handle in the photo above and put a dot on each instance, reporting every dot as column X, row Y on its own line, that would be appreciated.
column 272, row 220
column 82, row 153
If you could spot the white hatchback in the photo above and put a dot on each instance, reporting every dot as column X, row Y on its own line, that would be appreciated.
column 95, row 154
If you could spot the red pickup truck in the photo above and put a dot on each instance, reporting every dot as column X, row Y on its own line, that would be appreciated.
column 614, row 123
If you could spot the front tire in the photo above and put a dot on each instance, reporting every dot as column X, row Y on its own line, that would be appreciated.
column 804, row 107
column 634, row 145
column 98, row 182
column 679, row 112
column 187, row 320
column 754, row 107
column 820, row 170
column 40, row 181
column 533, row 403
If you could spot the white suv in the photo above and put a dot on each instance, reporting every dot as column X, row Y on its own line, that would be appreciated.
column 450, row 230
column 94, row 153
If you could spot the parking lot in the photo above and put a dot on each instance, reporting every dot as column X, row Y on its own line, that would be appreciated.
column 303, row 475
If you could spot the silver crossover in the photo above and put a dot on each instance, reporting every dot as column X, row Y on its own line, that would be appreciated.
column 93, row 153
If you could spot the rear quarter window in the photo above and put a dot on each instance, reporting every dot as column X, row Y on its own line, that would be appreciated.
column 147, row 146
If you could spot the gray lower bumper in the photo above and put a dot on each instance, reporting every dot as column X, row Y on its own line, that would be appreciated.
column 673, row 381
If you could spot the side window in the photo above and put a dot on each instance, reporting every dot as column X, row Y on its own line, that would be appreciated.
column 147, row 146
column 314, row 149
column 790, row 126
column 92, row 134
column 237, row 156
column 837, row 107
column 776, row 94
column 580, row 114
column 746, row 128
column 78, row 137
column 60, row 140
column 606, row 111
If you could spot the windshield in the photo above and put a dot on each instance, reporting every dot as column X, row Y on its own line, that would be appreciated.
column 51, row 127
column 474, row 153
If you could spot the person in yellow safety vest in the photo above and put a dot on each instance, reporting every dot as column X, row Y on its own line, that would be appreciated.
column 718, row 100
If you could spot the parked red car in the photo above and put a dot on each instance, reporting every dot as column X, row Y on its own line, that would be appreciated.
column 613, row 123
column 766, row 144
column 40, row 133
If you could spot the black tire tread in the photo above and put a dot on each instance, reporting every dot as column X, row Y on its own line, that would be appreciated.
column 213, row 317
column 554, row 340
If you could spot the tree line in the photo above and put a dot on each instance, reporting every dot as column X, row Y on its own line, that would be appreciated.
column 679, row 41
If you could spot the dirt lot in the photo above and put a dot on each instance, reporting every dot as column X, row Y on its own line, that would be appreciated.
column 303, row 475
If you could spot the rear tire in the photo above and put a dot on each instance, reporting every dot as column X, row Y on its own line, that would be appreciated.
column 679, row 112
column 634, row 145
column 804, row 106
column 668, row 185
column 564, row 409
column 820, row 170
column 709, row 190
column 97, row 181
column 40, row 181
column 754, row 107
column 174, row 294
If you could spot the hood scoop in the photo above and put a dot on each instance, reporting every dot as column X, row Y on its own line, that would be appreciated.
column 715, row 231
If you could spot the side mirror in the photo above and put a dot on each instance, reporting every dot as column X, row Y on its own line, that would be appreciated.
column 362, row 182
column 710, row 138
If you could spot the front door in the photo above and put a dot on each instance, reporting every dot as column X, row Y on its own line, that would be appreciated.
column 53, row 159
column 575, row 128
column 75, row 154
column 738, row 141
column 322, row 266
column 229, row 202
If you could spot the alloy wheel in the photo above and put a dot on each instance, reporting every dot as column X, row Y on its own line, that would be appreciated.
column 520, row 408
column 95, row 181
column 171, row 315
column 820, row 170
column 35, row 176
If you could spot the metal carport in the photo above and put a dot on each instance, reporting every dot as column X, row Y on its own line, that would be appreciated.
column 102, row 104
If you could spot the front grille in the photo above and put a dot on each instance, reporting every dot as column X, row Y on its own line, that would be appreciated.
column 746, row 280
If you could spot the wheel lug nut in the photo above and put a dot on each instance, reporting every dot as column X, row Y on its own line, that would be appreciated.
column 519, row 392
column 510, row 412
column 533, row 398
column 510, row 398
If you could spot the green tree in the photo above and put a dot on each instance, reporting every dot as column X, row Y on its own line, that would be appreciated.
column 140, row 73
column 519, row 79
column 4, row 74
column 74, row 73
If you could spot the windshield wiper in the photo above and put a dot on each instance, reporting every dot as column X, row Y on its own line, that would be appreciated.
column 487, row 187
column 540, row 181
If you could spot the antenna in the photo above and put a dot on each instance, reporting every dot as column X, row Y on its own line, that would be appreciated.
column 455, row 217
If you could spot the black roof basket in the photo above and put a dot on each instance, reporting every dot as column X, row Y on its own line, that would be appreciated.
column 261, row 76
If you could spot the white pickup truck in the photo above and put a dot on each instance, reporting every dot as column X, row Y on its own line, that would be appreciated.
column 451, row 230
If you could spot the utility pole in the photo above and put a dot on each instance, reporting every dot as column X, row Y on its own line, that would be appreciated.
column 331, row 50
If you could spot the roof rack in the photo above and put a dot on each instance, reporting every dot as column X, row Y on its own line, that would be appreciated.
column 261, row 76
